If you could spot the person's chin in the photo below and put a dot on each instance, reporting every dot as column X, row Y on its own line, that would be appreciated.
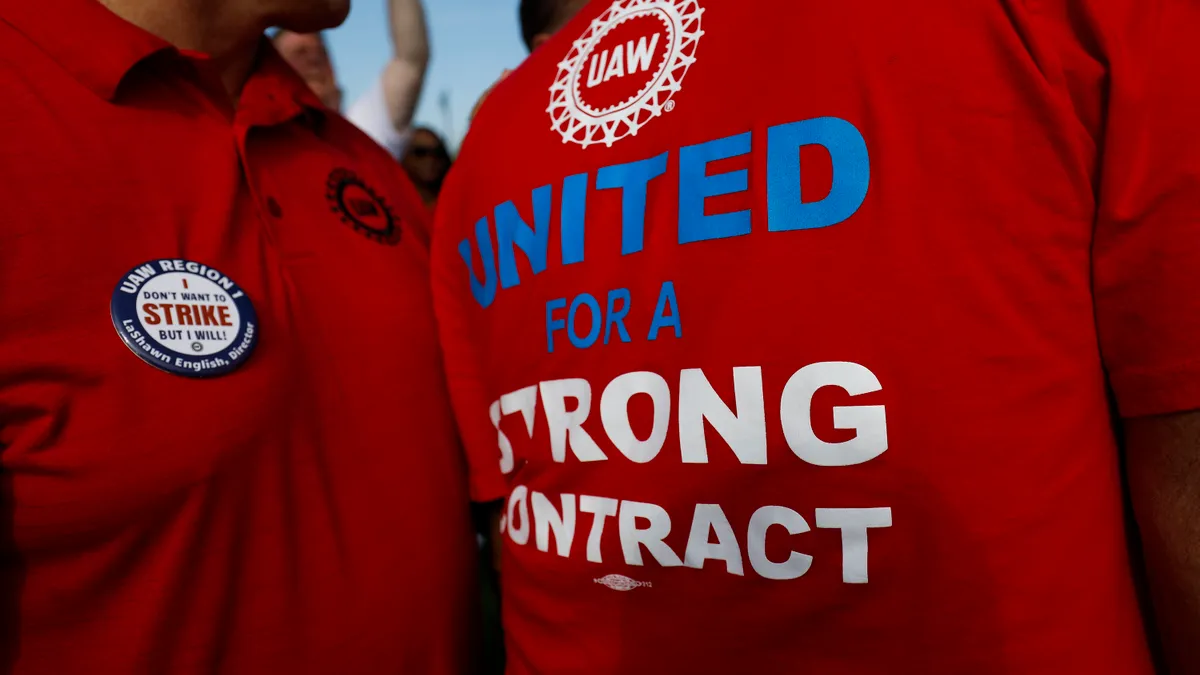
column 311, row 16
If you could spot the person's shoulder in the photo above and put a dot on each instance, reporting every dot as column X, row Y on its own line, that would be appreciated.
column 527, row 91
column 374, row 163
column 511, row 102
column 13, row 42
column 369, row 112
column 42, row 106
column 40, row 94
column 25, row 72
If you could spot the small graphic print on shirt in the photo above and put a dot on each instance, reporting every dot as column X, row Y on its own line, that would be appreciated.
column 184, row 317
column 361, row 207
column 625, row 70
column 620, row 582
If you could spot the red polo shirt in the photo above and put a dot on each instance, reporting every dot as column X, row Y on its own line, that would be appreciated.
column 788, row 330
column 300, row 509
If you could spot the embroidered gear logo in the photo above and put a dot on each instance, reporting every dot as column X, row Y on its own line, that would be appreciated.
column 625, row 70
column 360, row 207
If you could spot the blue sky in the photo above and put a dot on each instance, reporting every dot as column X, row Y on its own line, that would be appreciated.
column 472, row 42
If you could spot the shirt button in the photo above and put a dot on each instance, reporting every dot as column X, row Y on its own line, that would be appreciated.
column 273, row 208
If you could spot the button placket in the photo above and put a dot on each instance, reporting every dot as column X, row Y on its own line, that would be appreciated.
column 266, row 206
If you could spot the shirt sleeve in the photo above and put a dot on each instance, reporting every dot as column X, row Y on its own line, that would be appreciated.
column 370, row 113
column 460, row 332
column 1146, row 250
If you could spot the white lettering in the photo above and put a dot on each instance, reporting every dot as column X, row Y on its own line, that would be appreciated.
column 616, row 65
column 640, row 55
column 710, row 517
column 600, row 508
column 596, row 68
column 614, row 414
column 518, row 499
column 523, row 400
column 547, row 518
column 652, row 536
column 506, row 449
column 711, row 536
column 567, row 427
column 745, row 432
column 870, row 422
column 797, row 564
column 854, row 524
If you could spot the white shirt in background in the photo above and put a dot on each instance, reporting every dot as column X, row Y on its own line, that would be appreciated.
column 370, row 113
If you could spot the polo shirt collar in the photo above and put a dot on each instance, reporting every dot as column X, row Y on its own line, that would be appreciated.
column 99, row 48
column 275, row 94
column 91, row 43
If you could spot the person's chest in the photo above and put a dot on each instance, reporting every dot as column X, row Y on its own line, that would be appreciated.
column 828, row 263
column 665, row 191
column 185, row 302
column 838, row 278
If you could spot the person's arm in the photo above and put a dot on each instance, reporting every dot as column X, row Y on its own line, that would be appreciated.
column 385, row 111
column 487, row 92
column 404, row 75
column 1164, row 482
column 1145, row 279
column 462, row 328
column 496, row 531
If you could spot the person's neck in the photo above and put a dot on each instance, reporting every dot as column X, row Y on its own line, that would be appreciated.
column 428, row 193
column 219, row 29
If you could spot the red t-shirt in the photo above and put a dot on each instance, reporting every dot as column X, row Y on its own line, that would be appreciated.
column 784, row 329
column 226, row 442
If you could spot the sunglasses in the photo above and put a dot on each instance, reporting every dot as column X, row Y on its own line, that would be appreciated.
column 425, row 152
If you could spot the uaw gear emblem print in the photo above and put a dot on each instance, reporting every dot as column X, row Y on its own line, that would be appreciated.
column 360, row 207
column 624, row 70
column 184, row 317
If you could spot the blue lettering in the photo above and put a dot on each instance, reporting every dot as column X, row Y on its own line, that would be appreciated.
column 786, row 211
column 553, row 324
column 615, row 317
column 512, row 230
column 695, row 186
column 574, row 208
column 851, row 174
column 594, row 332
column 666, row 297
column 633, row 178
column 485, row 293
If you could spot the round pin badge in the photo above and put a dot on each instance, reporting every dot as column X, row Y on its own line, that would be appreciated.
column 185, row 318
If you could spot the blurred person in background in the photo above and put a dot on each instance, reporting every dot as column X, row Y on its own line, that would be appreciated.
column 541, row 19
column 226, row 441
column 426, row 160
column 721, row 384
column 385, row 111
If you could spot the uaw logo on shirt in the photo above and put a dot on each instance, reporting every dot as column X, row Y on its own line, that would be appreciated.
column 184, row 317
column 625, row 70
column 361, row 207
